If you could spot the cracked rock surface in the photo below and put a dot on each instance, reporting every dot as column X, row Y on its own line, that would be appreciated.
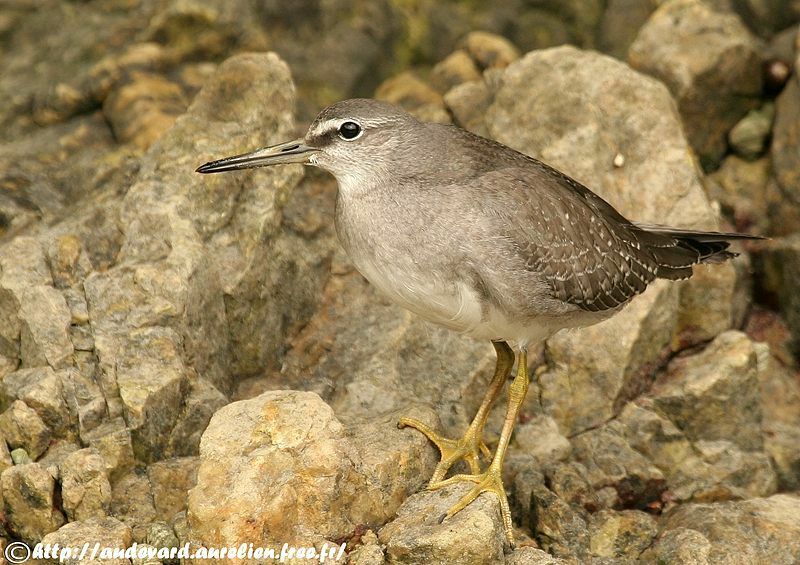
column 192, row 359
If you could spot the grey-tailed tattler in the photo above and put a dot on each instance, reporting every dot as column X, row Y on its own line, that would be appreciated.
column 484, row 240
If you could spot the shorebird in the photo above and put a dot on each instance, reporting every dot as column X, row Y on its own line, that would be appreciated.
column 484, row 240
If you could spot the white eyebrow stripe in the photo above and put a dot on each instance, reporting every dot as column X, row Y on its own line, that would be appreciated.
column 327, row 125
column 333, row 124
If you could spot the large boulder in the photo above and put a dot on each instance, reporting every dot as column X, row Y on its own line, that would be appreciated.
column 711, row 63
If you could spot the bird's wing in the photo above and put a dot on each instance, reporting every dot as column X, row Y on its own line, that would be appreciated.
column 590, row 255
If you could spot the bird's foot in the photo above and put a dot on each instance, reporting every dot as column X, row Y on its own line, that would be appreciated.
column 490, row 480
column 469, row 448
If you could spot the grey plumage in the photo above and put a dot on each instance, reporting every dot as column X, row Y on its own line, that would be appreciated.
column 429, row 211
column 484, row 240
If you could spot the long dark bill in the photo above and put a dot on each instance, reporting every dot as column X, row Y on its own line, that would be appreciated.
column 290, row 152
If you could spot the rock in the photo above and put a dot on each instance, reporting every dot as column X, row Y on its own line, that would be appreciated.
column 468, row 102
column 160, row 534
column 610, row 461
column 294, row 483
column 563, row 82
column 113, row 442
column 108, row 533
column 560, row 528
column 748, row 137
column 22, row 427
column 132, row 504
column 785, row 147
column 457, row 68
column 680, row 545
column 779, row 265
column 717, row 301
column 85, row 490
column 714, row 395
column 28, row 497
column 369, row 552
column 711, row 64
column 40, row 389
column 761, row 530
column 532, row 556
column 44, row 336
column 541, row 439
column 6, row 459
column 621, row 535
column 151, row 387
column 621, row 22
column 171, row 481
column 473, row 535
column 701, row 471
column 780, row 405
column 740, row 187
column 20, row 457
column 596, row 369
column 144, row 108
column 415, row 96
column 488, row 50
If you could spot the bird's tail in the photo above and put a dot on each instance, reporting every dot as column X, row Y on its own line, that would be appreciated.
column 676, row 250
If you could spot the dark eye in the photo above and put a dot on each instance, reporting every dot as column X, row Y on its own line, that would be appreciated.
column 349, row 130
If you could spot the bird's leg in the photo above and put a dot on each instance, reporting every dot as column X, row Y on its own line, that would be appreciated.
column 491, row 480
column 471, row 443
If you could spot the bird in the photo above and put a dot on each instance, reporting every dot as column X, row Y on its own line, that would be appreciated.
column 484, row 240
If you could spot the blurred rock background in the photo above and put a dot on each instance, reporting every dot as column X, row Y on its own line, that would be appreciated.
column 189, row 359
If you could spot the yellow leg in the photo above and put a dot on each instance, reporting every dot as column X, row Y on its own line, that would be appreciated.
column 470, row 444
column 492, row 479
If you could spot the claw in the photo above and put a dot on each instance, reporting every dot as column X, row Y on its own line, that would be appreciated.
column 469, row 447
column 489, row 481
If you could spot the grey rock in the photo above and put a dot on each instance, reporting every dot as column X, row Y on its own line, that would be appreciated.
column 368, row 552
column 621, row 22
column 474, row 535
column 413, row 94
column 19, row 456
column 40, row 389
column 714, row 395
column 105, row 531
column 780, row 405
column 44, row 332
column 22, row 427
column 132, row 504
column 541, row 439
column 779, row 264
column 711, row 64
column 761, row 530
column 171, row 481
column 786, row 140
column 160, row 534
column 741, row 188
column 85, row 490
column 560, row 528
column 748, row 137
column 489, row 51
column 621, row 535
column 532, row 556
column 321, row 480
column 457, row 68
column 702, row 471
column 610, row 461
column 112, row 440
column 28, row 498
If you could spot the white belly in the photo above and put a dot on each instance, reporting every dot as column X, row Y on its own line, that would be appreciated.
column 456, row 306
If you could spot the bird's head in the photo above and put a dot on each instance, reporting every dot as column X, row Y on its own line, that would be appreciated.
column 350, row 137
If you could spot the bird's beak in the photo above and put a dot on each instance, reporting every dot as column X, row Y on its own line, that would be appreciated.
column 290, row 152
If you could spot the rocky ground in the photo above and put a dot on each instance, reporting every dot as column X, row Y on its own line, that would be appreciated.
column 189, row 359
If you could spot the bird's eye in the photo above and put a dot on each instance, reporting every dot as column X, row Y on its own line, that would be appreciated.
column 349, row 131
